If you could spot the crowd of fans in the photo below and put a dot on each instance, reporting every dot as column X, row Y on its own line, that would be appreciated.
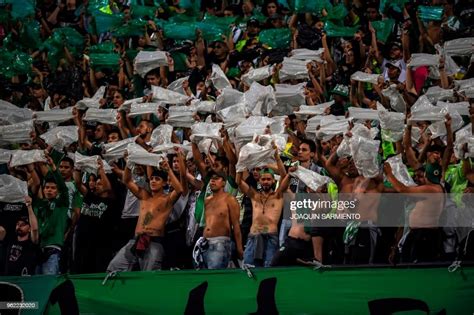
column 164, row 134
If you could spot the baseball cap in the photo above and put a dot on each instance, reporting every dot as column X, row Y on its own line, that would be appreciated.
column 394, row 63
column 433, row 172
column 254, row 22
column 217, row 174
column 341, row 90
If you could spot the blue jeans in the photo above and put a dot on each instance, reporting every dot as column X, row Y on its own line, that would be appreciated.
column 217, row 255
column 270, row 246
column 51, row 265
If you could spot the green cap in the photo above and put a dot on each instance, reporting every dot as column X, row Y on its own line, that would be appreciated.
column 267, row 170
column 433, row 172
column 341, row 90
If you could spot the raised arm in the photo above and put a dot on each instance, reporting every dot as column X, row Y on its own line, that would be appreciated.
column 331, row 167
column 198, row 160
column 182, row 172
column 34, row 233
column 449, row 148
column 175, row 183
column 234, row 213
column 139, row 192
column 243, row 186
column 77, row 175
column 104, row 179
column 409, row 152
column 63, row 197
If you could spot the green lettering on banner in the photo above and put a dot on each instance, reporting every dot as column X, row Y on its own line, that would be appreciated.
column 295, row 290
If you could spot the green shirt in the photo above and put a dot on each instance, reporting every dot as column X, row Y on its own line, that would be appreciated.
column 455, row 178
column 52, row 215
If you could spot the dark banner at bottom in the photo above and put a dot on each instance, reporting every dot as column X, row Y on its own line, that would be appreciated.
column 270, row 291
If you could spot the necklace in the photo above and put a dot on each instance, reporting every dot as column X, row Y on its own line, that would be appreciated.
column 263, row 202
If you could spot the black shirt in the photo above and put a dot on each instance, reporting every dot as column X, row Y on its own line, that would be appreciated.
column 9, row 214
column 21, row 258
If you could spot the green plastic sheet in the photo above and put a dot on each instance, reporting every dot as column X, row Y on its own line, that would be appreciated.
column 60, row 38
column 106, row 22
column 311, row 6
column 101, row 61
column 337, row 13
column 397, row 5
column 30, row 34
column 107, row 47
column 383, row 29
column 14, row 62
column 276, row 38
column 22, row 8
column 333, row 30
column 132, row 28
column 430, row 13
column 139, row 11
column 180, row 31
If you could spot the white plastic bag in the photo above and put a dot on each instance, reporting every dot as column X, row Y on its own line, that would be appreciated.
column 54, row 115
column 255, row 75
column 232, row 116
column 16, row 133
column 93, row 101
column 392, row 125
column 436, row 93
column 311, row 125
column 202, row 130
column 206, row 107
column 161, row 135
column 332, row 127
column 24, row 157
column 144, row 108
column 181, row 116
column 460, row 107
column 461, row 137
column 465, row 86
column 400, row 170
column 228, row 97
column 258, row 125
column 266, row 140
column 219, row 79
column 105, row 116
column 149, row 60
column 206, row 146
column 363, row 113
column 364, row 153
column 310, row 178
column 11, row 114
column 438, row 129
column 259, row 100
column 307, row 54
column 61, row 136
column 167, row 96
column 288, row 97
column 424, row 110
column 116, row 150
column 5, row 155
column 293, row 69
column 253, row 155
column 365, row 77
column 177, row 85
column 311, row 110
column 418, row 60
column 459, row 46
column 396, row 99
column 12, row 190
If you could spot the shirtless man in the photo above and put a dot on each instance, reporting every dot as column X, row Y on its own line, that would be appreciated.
column 267, row 206
column 360, row 237
column 422, row 244
column 222, row 214
column 155, row 208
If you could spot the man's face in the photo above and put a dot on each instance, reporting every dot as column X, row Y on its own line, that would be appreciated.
column 266, row 181
column 304, row 153
column 191, row 166
column 228, row 13
column 22, row 228
column 143, row 128
column 433, row 157
column 326, row 146
column 99, row 132
column 395, row 53
column 217, row 183
column 118, row 99
column 393, row 72
column 156, row 183
column 38, row 93
column 175, row 164
column 65, row 168
column 253, row 30
column 152, row 80
column 372, row 14
column 419, row 177
column 50, row 191
column 247, row 7
column 113, row 137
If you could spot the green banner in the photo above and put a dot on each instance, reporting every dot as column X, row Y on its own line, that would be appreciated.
column 296, row 290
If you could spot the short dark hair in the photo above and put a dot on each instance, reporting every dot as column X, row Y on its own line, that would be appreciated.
column 69, row 160
column 155, row 72
column 159, row 173
column 223, row 159
column 310, row 143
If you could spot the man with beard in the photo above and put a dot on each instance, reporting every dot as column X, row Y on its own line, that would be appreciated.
column 155, row 208
column 222, row 215
column 267, row 206
column 22, row 254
